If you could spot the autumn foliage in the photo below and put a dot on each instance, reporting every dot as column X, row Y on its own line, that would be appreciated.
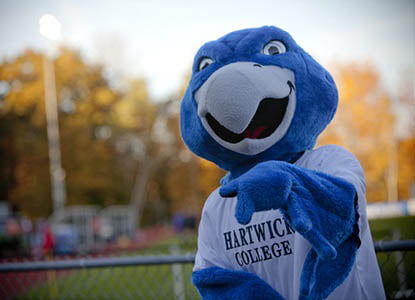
column 119, row 146
column 365, row 124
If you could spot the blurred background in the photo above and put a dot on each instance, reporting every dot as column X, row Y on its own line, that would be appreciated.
column 91, row 159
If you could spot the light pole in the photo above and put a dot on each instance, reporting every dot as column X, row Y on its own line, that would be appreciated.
column 49, row 27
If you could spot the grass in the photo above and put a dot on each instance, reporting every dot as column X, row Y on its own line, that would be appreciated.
column 156, row 282
column 148, row 282
column 144, row 282
column 402, row 227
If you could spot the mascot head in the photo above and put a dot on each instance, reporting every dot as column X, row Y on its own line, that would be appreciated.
column 255, row 95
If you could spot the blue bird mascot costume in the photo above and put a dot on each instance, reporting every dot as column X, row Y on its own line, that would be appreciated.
column 288, row 221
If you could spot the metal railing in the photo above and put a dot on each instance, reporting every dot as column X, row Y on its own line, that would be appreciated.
column 160, row 277
column 96, row 263
column 397, row 264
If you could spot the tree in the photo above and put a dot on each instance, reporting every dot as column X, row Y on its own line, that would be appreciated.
column 364, row 124
column 191, row 179
column 85, row 102
column 406, row 147
column 23, row 138
column 135, row 116
column 117, row 146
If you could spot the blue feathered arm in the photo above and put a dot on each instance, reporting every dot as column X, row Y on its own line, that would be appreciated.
column 216, row 283
column 319, row 206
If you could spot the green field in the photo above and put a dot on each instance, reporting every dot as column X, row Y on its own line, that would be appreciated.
column 148, row 282
column 144, row 282
column 157, row 282
column 383, row 229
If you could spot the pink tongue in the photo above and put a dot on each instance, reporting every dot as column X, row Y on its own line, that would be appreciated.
column 254, row 133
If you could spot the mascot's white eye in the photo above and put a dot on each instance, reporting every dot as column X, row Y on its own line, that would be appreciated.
column 206, row 61
column 274, row 48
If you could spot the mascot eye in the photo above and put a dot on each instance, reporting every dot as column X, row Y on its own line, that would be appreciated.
column 274, row 48
column 206, row 61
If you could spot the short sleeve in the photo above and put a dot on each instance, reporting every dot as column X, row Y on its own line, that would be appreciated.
column 208, row 241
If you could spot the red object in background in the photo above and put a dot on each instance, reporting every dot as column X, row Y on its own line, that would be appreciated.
column 48, row 241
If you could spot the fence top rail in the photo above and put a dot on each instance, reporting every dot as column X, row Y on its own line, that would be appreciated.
column 404, row 245
column 96, row 263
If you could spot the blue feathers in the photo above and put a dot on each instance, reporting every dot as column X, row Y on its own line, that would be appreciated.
column 305, row 197
column 217, row 283
column 315, row 89
column 266, row 186
column 318, row 206
column 255, row 103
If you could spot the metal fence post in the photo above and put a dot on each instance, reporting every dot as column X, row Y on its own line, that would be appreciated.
column 400, row 265
column 177, row 270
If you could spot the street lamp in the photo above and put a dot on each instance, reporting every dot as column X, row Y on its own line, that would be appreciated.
column 50, row 27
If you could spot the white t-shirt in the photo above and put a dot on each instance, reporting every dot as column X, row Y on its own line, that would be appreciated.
column 271, row 249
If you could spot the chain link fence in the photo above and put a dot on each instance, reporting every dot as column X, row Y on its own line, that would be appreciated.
column 397, row 264
column 160, row 277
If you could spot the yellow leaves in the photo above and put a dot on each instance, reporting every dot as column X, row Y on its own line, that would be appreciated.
column 135, row 110
column 69, row 66
column 100, row 170
column 210, row 175
column 190, row 183
column 124, row 113
column 355, row 80
column 181, row 186
column 364, row 124
column 88, row 161
column 25, row 78
column 104, row 97
column 406, row 170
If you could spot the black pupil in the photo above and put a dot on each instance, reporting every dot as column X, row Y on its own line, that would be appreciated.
column 273, row 50
column 204, row 65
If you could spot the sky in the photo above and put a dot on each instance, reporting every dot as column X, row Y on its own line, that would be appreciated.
column 158, row 39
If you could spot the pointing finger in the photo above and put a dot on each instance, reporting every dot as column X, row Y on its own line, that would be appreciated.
column 229, row 190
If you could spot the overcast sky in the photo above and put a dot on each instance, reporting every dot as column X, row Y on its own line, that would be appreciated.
column 158, row 39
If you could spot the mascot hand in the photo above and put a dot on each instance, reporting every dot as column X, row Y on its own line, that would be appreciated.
column 266, row 186
column 280, row 185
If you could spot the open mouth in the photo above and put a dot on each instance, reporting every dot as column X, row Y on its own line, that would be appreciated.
column 267, row 118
